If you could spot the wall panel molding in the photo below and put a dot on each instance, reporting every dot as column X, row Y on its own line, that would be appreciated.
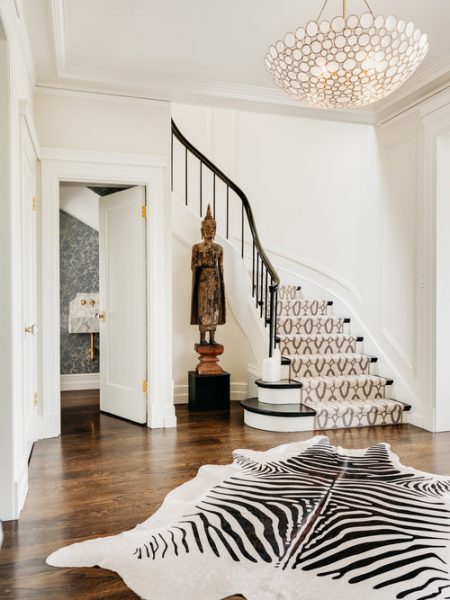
column 389, row 300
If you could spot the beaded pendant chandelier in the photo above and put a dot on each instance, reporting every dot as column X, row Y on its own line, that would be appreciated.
column 348, row 62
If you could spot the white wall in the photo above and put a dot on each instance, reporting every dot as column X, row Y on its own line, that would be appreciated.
column 16, row 81
column 84, row 121
column 6, row 407
column 335, row 206
column 80, row 202
column 442, row 328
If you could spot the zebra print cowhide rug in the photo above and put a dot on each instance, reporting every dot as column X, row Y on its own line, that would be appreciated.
column 305, row 521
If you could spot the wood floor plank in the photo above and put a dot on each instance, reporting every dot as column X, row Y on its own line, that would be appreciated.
column 105, row 475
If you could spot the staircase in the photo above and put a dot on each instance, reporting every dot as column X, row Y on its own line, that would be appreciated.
column 338, row 386
column 329, row 382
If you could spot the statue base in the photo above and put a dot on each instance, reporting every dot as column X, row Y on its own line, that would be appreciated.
column 209, row 359
column 209, row 392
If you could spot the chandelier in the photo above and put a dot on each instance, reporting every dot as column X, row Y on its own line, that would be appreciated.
column 350, row 61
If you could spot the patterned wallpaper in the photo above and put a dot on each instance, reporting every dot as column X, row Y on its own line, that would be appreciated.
column 78, row 273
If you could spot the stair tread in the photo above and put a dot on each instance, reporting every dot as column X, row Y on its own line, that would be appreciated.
column 278, row 410
column 317, row 336
column 282, row 384
column 363, row 404
column 315, row 317
column 304, row 301
column 330, row 356
column 332, row 380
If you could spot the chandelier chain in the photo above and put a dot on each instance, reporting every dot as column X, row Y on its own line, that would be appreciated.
column 344, row 10
column 322, row 9
column 370, row 10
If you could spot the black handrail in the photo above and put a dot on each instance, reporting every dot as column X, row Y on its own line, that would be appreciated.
column 264, row 268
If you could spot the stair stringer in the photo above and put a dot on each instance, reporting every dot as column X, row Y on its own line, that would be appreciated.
column 186, row 227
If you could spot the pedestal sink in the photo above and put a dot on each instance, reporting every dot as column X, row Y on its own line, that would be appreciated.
column 83, row 317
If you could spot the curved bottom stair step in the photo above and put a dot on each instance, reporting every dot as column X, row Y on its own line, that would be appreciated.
column 278, row 417
column 323, row 415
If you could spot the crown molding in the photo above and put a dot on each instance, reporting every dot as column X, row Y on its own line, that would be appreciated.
column 269, row 99
column 205, row 93
column 427, row 82
column 424, row 84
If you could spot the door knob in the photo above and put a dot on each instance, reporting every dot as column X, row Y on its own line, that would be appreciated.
column 102, row 316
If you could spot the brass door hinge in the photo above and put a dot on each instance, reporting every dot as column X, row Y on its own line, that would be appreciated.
column 144, row 386
column 33, row 203
column 35, row 399
column 144, row 212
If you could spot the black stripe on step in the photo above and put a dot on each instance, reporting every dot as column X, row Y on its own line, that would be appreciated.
column 277, row 410
column 406, row 407
column 283, row 384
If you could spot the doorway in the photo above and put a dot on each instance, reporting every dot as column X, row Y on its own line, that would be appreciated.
column 146, row 173
column 103, row 304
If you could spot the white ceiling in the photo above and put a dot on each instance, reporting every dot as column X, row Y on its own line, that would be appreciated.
column 194, row 49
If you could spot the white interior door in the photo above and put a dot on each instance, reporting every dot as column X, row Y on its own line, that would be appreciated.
column 29, row 296
column 123, row 324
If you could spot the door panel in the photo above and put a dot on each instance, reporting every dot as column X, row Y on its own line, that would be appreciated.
column 123, row 326
column 29, row 288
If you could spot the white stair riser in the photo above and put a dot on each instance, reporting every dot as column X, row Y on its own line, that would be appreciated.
column 279, row 396
column 310, row 345
column 308, row 325
column 330, row 367
column 285, row 372
column 278, row 424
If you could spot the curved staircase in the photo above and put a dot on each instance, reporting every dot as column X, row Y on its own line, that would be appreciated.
column 330, row 382
column 338, row 386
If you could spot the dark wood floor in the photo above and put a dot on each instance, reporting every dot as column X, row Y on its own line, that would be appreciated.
column 104, row 475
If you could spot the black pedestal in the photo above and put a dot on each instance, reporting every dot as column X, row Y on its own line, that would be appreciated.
column 209, row 392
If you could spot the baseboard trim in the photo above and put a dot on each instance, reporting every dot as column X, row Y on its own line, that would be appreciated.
column 80, row 381
column 412, row 418
column 238, row 391
column 21, row 488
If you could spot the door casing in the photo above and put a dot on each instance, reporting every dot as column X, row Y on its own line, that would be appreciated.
column 96, row 168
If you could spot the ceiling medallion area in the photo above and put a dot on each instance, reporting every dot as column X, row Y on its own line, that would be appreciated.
column 348, row 62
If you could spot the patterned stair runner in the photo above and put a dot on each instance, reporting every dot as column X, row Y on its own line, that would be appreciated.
column 336, row 376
